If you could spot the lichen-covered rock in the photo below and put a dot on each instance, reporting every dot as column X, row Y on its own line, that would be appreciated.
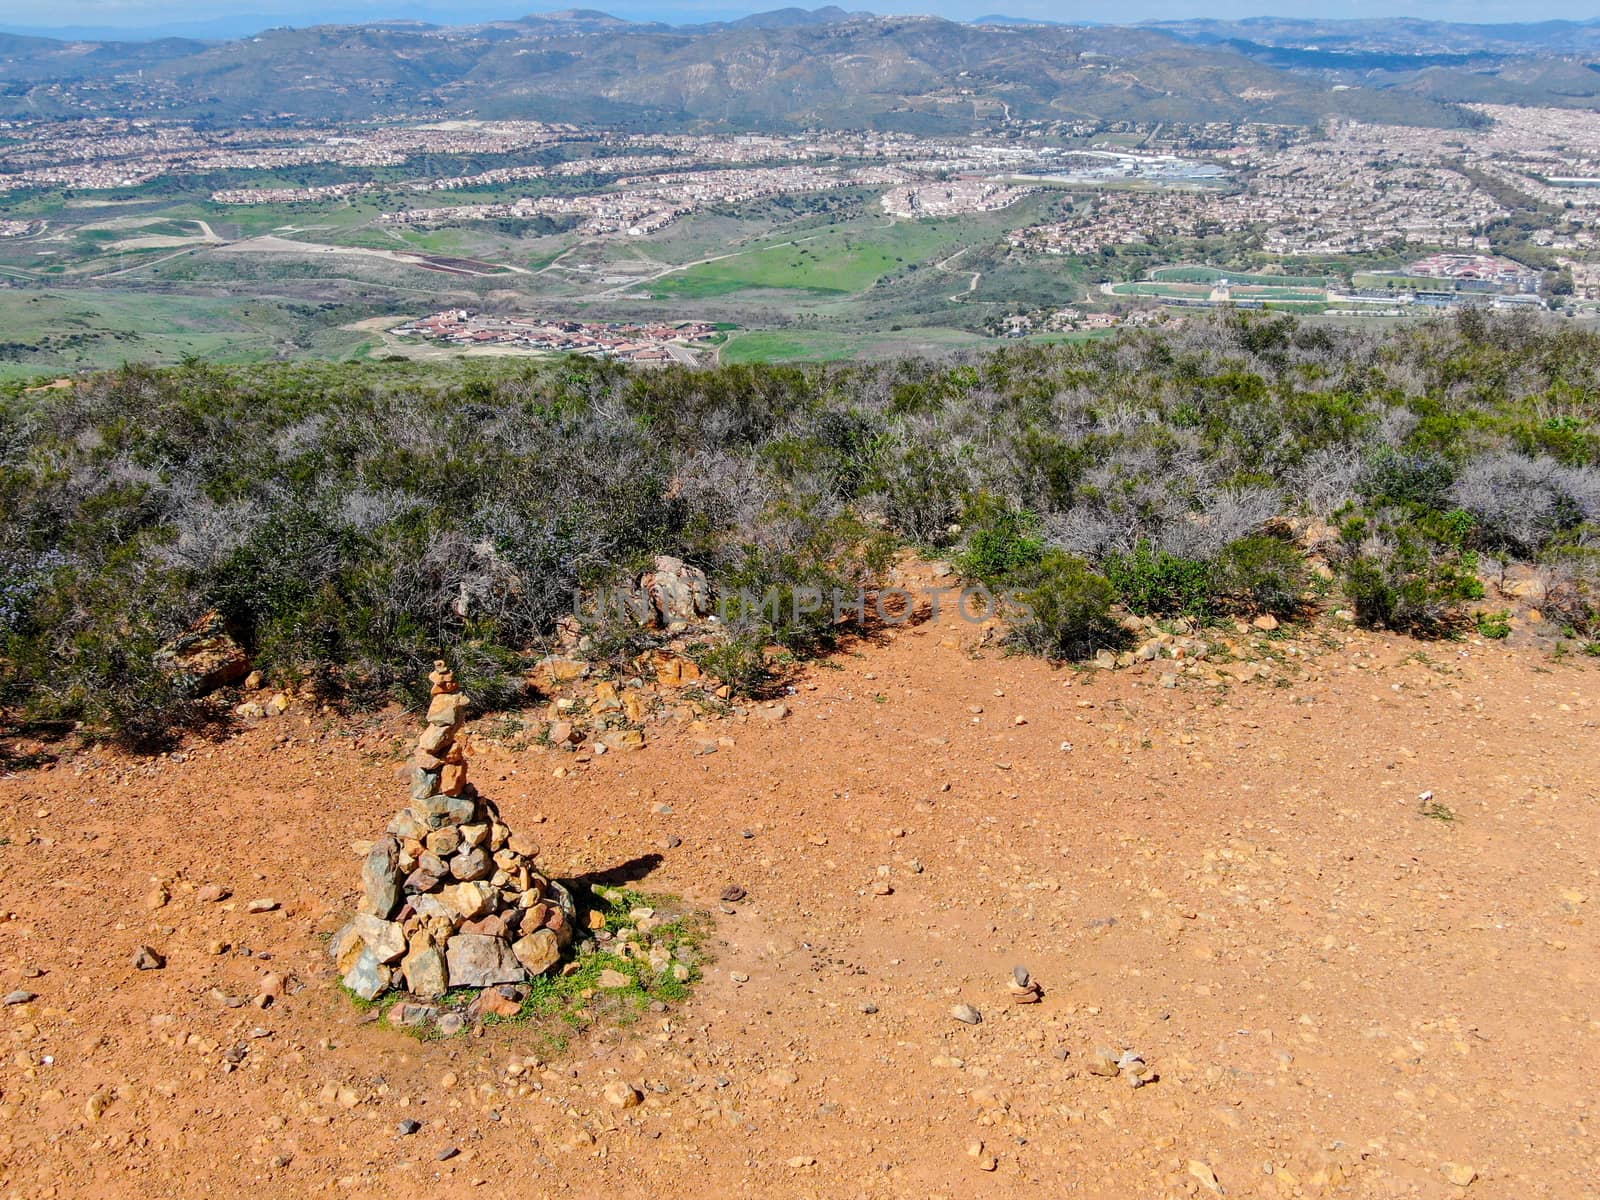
column 368, row 978
column 678, row 593
column 204, row 656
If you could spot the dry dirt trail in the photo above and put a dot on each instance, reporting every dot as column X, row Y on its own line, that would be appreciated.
column 1340, row 995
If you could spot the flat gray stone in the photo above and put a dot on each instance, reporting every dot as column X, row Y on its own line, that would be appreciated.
column 478, row 961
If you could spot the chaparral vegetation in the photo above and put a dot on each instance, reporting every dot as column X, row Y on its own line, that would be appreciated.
column 351, row 523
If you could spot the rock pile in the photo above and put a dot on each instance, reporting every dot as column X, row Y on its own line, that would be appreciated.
column 451, row 898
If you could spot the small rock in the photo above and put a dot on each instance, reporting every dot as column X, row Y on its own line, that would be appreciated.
column 966, row 1014
column 407, row 1128
column 1103, row 1062
column 623, row 1095
column 451, row 1024
column 1458, row 1173
column 447, row 1153
column 264, row 904
column 148, row 960
column 490, row 1003
column 733, row 893
column 20, row 997
column 212, row 893
column 1205, row 1175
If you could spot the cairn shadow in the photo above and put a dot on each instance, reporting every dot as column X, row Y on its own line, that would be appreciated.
column 631, row 871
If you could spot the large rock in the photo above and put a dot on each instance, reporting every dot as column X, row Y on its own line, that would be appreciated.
column 204, row 656
column 380, row 878
column 385, row 939
column 424, row 970
column 539, row 951
column 678, row 593
column 472, row 864
column 670, row 670
column 369, row 978
column 467, row 900
column 563, row 915
column 474, row 960
column 449, row 710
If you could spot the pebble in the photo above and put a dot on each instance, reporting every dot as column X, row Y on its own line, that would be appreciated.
column 623, row 1095
column 407, row 1128
column 966, row 1014
column 447, row 1153
column 733, row 893
column 146, row 959
column 869, row 1008
column 264, row 904
column 20, row 997
column 1205, row 1175
column 1458, row 1173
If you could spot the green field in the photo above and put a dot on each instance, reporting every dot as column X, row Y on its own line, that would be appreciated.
column 1189, row 274
column 826, row 346
column 1200, row 291
column 1364, row 279
column 835, row 261
column 52, row 331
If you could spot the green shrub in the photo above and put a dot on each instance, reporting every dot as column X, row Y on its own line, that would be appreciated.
column 740, row 663
column 1063, row 609
column 1421, row 479
column 1153, row 582
column 1408, row 587
column 1001, row 540
column 1495, row 626
column 1262, row 575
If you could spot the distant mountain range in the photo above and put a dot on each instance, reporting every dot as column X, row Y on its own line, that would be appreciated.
column 798, row 68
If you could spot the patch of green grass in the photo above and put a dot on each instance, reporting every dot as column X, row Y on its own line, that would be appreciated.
column 831, row 261
column 1183, row 274
column 776, row 346
column 569, row 998
column 1435, row 811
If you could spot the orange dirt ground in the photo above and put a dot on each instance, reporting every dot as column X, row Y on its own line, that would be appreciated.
column 1341, row 996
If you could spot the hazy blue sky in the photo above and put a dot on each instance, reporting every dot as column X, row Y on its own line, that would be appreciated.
column 146, row 13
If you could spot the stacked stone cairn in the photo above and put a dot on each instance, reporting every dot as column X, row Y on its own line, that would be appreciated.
column 451, row 898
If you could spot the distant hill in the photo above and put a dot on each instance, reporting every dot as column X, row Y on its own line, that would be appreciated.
column 1397, row 35
column 795, row 68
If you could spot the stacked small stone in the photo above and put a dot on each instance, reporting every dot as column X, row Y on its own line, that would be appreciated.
column 451, row 897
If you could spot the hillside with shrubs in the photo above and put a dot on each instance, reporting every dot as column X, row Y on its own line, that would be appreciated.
column 350, row 523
